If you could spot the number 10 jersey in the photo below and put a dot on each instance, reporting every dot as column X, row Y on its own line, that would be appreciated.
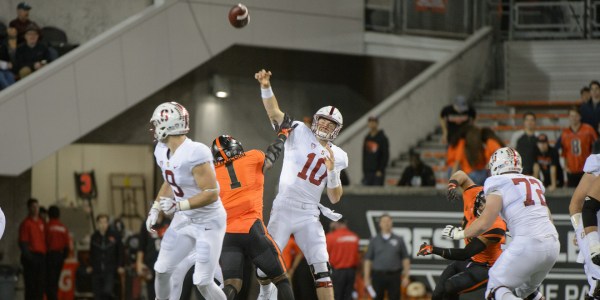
column 304, row 173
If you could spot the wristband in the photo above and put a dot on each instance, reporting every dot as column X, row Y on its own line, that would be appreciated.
column 452, row 182
column 266, row 93
column 183, row 205
column 459, row 234
column 333, row 179
column 155, row 205
column 575, row 220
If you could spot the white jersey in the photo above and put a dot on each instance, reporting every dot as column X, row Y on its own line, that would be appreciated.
column 304, row 173
column 177, row 172
column 523, row 204
column 592, row 165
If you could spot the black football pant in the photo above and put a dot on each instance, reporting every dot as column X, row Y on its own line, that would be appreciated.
column 460, row 277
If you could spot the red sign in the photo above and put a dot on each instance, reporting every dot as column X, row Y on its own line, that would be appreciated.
column 436, row 6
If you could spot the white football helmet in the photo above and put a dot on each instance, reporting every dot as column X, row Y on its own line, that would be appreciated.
column 332, row 114
column 170, row 118
column 505, row 160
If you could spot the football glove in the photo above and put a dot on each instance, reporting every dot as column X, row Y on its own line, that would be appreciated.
column 425, row 250
column 455, row 233
column 152, row 216
column 595, row 254
column 452, row 195
column 168, row 205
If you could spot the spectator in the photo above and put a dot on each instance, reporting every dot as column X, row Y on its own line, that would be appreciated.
column 525, row 142
column 32, row 241
column 596, row 146
column 31, row 55
column 148, row 252
column 590, row 109
column 417, row 173
column 57, row 238
column 576, row 142
column 454, row 116
column 470, row 155
column 22, row 22
column 8, row 48
column 106, row 258
column 584, row 94
column 386, row 262
column 43, row 213
column 376, row 153
column 342, row 246
column 491, row 142
column 547, row 164
column 451, row 162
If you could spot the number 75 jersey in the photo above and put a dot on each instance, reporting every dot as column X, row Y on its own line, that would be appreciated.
column 523, row 204
column 304, row 173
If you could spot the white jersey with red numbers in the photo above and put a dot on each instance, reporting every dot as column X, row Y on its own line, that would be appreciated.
column 304, row 173
column 525, row 263
column 177, row 172
column 592, row 165
column 523, row 204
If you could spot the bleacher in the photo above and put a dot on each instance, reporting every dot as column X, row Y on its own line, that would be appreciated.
column 504, row 117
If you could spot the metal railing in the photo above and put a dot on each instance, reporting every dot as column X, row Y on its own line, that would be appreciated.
column 512, row 19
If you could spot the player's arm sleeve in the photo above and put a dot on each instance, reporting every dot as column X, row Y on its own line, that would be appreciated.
column 341, row 161
column 494, row 235
column 403, row 250
column 200, row 155
column 592, row 164
column 474, row 247
column 273, row 151
column 493, row 185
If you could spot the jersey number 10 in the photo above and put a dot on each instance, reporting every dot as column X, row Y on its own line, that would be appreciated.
column 528, row 182
column 304, row 173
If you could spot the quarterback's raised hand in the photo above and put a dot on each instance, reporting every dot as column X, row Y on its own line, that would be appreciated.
column 330, row 159
column 425, row 250
column 263, row 78
column 455, row 233
column 452, row 194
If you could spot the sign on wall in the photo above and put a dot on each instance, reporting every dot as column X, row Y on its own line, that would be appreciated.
column 419, row 219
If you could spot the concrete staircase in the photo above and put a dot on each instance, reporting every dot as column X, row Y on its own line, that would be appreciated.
column 503, row 117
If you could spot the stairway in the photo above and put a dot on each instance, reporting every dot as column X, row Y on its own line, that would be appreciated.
column 503, row 117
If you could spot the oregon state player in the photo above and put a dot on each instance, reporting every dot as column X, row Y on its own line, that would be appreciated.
column 241, row 177
column 469, row 272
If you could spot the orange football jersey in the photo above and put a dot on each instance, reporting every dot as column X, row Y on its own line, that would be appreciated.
column 242, row 184
column 497, row 230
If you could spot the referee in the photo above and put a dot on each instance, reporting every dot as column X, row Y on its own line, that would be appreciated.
column 387, row 262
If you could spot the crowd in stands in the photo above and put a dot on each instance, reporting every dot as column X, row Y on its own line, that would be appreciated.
column 469, row 147
column 22, row 48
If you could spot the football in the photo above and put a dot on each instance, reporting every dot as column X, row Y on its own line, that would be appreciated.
column 239, row 16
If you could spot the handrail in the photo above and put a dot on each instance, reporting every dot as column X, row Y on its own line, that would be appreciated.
column 404, row 92
column 86, row 48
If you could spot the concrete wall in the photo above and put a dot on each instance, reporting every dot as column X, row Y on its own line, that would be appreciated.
column 126, row 64
column 81, row 20
column 413, row 111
